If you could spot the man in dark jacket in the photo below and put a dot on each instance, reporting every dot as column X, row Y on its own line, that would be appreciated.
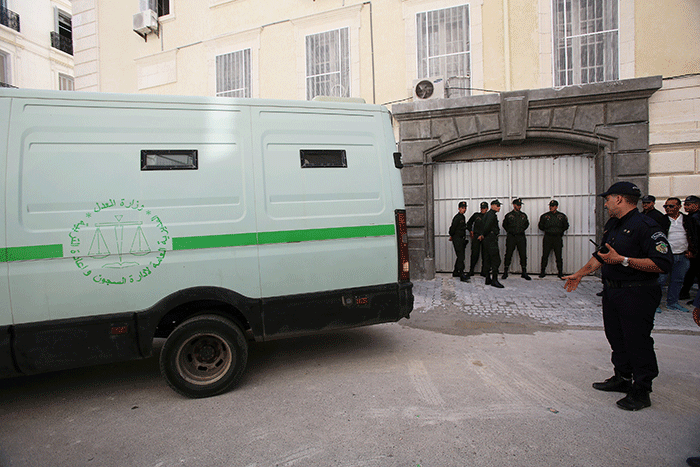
column 692, row 207
column 649, row 209
column 475, row 225
column 554, row 224
column 490, row 238
column 458, row 237
column 515, row 224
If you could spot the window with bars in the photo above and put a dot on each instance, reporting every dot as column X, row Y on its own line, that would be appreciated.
column 443, row 47
column 4, row 69
column 65, row 82
column 586, row 41
column 328, row 64
column 233, row 75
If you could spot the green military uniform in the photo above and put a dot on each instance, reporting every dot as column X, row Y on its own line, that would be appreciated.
column 553, row 224
column 515, row 224
column 475, row 225
column 492, row 257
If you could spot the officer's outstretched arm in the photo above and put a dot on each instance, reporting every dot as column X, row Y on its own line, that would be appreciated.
column 573, row 280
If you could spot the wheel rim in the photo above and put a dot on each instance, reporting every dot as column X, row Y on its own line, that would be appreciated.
column 204, row 359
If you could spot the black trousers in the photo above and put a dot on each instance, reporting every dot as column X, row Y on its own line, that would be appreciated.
column 691, row 276
column 491, row 257
column 513, row 242
column 628, row 317
column 549, row 243
column 477, row 248
column 460, row 245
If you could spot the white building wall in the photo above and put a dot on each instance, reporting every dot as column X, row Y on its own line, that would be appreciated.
column 674, row 138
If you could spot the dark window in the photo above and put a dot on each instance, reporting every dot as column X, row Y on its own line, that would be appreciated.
column 163, row 7
column 323, row 158
column 169, row 159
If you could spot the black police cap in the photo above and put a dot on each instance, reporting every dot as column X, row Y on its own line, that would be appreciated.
column 623, row 188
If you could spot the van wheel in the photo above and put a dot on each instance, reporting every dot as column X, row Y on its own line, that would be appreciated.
column 204, row 356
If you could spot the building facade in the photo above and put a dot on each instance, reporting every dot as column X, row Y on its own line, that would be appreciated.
column 36, row 44
column 536, row 99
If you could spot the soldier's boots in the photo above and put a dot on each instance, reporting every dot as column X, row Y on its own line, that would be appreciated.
column 505, row 274
column 488, row 279
column 525, row 276
column 494, row 281
column 464, row 277
column 542, row 274
column 616, row 383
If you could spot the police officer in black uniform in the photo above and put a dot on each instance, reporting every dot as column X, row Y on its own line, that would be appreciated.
column 634, row 252
column 515, row 224
column 492, row 257
column 554, row 224
column 458, row 237
column 475, row 225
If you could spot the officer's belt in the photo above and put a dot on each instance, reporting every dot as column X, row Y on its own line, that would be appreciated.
column 612, row 284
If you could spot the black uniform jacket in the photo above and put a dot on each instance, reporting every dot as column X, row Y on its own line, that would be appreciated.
column 490, row 226
column 635, row 236
column 661, row 219
column 458, row 228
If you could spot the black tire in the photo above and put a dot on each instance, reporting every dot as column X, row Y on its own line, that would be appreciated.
column 204, row 356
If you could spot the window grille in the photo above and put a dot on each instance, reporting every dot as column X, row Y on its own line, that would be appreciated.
column 443, row 47
column 328, row 64
column 233, row 74
column 586, row 41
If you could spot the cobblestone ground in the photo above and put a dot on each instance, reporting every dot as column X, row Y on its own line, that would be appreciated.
column 539, row 301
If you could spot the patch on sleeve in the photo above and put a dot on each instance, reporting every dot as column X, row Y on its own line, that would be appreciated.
column 662, row 248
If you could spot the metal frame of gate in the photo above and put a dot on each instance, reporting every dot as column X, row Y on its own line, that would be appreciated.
column 568, row 179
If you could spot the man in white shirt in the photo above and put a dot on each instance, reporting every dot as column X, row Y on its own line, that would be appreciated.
column 678, row 239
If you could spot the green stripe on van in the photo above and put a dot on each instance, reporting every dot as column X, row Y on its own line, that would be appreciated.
column 213, row 241
column 289, row 236
column 24, row 253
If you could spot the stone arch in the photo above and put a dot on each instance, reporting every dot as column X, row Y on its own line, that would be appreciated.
column 608, row 119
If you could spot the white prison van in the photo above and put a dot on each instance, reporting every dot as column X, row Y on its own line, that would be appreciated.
column 206, row 221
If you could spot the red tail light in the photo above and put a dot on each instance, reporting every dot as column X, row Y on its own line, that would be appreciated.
column 402, row 241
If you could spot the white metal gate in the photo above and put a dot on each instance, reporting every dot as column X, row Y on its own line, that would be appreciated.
column 569, row 179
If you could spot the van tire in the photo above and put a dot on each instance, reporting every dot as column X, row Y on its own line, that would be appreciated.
column 204, row 356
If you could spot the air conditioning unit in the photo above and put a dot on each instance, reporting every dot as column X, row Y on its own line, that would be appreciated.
column 146, row 22
column 429, row 88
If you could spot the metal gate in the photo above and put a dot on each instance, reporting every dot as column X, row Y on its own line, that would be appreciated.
column 568, row 179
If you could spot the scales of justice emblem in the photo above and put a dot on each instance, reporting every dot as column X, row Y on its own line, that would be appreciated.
column 99, row 248
column 118, row 249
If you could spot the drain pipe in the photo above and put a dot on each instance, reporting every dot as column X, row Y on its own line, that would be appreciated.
column 371, row 41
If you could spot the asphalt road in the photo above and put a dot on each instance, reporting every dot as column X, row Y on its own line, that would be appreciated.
column 386, row 395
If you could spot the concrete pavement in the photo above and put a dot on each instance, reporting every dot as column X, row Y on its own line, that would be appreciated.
column 506, row 382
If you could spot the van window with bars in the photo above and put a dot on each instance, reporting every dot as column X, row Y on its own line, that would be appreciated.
column 443, row 47
column 586, row 41
column 233, row 74
column 328, row 64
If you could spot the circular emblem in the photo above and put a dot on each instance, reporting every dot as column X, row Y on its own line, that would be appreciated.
column 118, row 242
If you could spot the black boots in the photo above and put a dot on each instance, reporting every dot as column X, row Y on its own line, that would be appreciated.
column 505, row 274
column 494, row 281
column 615, row 383
column 525, row 276
column 542, row 274
column 636, row 399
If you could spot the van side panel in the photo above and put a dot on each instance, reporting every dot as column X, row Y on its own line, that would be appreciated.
column 6, row 364
column 91, row 233
column 331, row 227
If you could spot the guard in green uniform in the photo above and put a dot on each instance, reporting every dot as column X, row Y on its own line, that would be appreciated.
column 553, row 224
column 490, row 238
column 475, row 225
column 515, row 224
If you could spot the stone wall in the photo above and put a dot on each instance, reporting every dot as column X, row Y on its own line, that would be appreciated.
column 610, row 120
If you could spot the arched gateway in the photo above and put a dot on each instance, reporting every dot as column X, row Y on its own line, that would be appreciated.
column 540, row 144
